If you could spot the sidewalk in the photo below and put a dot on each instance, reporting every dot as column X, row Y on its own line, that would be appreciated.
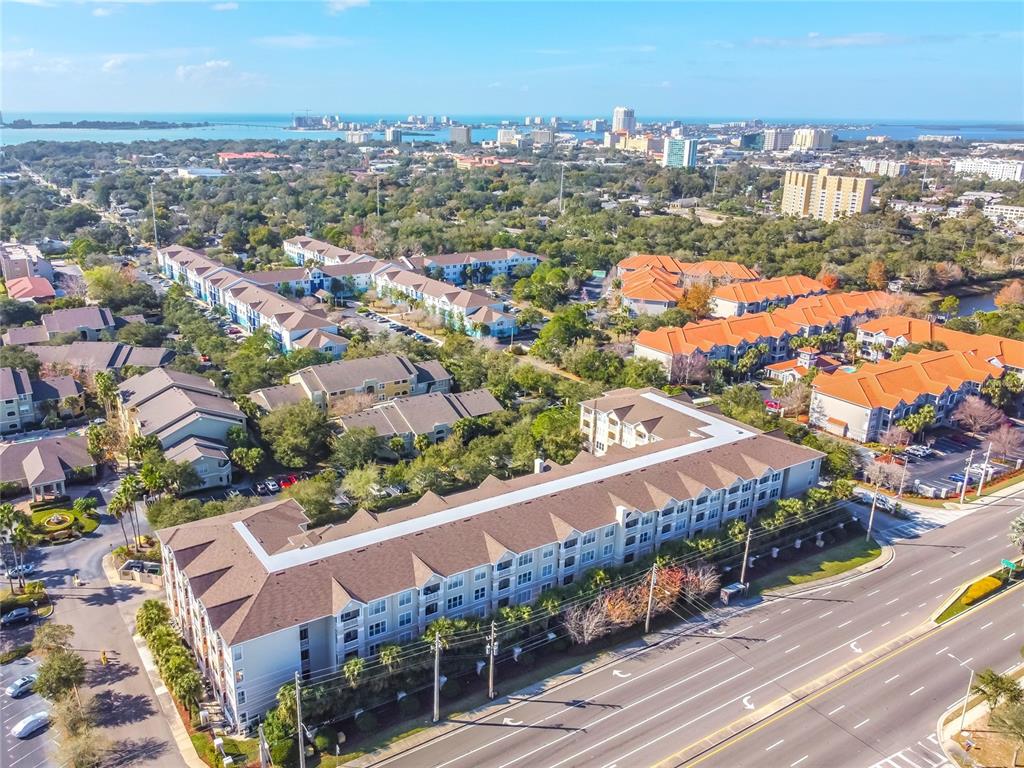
column 948, row 724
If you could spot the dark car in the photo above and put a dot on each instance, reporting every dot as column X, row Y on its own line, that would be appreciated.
column 262, row 490
column 956, row 477
column 17, row 616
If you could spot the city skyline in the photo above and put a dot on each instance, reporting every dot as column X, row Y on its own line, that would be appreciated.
column 566, row 59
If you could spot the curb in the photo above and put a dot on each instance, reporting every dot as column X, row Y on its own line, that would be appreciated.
column 888, row 554
column 959, row 590
column 944, row 731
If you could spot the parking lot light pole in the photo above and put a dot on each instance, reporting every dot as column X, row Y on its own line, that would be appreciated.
column 967, row 696
column 984, row 471
column 967, row 474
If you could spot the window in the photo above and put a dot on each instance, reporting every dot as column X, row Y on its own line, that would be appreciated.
column 431, row 589
column 405, row 619
column 504, row 565
column 480, row 575
column 703, row 499
column 547, row 570
column 525, row 559
column 524, row 578
column 607, row 550
column 630, row 541
column 454, row 602
column 351, row 636
column 239, row 675
column 632, row 523
column 569, row 543
column 569, row 561
column 699, row 517
column 405, row 598
column 377, row 628
column 378, row 607
column 645, row 537
column 568, row 580
column 236, row 653
column 456, row 582
column 479, row 593
column 304, row 633
column 241, row 697
column 666, row 527
column 549, row 552
column 609, row 531
column 304, row 654
column 430, row 609
column 588, row 556
column 589, row 537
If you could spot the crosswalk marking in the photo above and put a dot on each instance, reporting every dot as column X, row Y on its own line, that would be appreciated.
column 920, row 755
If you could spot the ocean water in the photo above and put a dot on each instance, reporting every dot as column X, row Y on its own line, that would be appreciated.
column 277, row 127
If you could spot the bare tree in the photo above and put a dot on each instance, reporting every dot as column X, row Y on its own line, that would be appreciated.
column 920, row 275
column 976, row 415
column 690, row 369
column 883, row 474
column 586, row 623
column 1006, row 439
column 73, row 285
column 699, row 581
column 796, row 398
column 1011, row 294
column 352, row 403
column 894, row 435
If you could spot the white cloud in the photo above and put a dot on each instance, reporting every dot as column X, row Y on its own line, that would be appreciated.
column 340, row 6
column 224, row 7
column 29, row 60
column 101, row 12
column 201, row 72
column 113, row 64
column 301, row 41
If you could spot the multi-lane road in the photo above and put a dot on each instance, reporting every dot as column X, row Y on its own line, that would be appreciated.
column 757, row 686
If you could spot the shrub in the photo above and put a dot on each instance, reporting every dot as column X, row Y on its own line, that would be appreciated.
column 17, row 652
column 325, row 740
column 285, row 753
column 367, row 721
column 980, row 589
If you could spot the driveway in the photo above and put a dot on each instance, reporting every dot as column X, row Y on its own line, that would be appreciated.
column 37, row 750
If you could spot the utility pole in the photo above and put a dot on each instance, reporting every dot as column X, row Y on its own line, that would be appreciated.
column 437, row 676
column 152, row 209
column 714, row 187
column 492, row 652
column 650, row 597
column 561, row 189
column 298, row 723
column 903, row 477
column 746, row 558
column 871, row 515
column 264, row 757
column 378, row 197
column 984, row 471
column 967, row 474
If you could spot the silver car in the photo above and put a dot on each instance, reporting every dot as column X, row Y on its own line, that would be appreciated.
column 29, row 725
column 21, row 686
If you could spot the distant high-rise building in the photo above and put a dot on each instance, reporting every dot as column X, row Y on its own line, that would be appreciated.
column 358, row 137
column 507, row 137
column 623, row 119
column 884, row 167
column 752, row 141
column 527, row 120
column 555, row 121
column 597, row 125
column 824, row 196
column 940, row 138
column 778, row 139
column 997, row 170
column 393, row 135
column 460, row 134
column 679, row 153
column 812, row 138
column 538, row 120
column 542, row 136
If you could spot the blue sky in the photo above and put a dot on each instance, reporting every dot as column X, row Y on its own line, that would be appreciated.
column 785, row 60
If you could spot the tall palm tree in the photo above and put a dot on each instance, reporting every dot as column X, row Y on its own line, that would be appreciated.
column 22, row 539
column 133, row 489
column 106, row 390
column 9, row 518
column 117, row 506
column 153, row 478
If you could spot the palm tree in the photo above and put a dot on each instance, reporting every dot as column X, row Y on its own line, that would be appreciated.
column 9, row 518
column 106, row 389
column 22, row 538
column 133, row 489
column 117, row 506
column 153, row 478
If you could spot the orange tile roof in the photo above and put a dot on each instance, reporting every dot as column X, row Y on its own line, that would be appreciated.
column 717, row 270
column 647, row 260
column 886, row 384
column 651, row 284
column 30, row 288
column 816, row 311
column 766, row 290
column 1009, row 352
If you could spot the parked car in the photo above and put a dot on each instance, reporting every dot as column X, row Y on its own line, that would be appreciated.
column 262, row 489
column 234, row 331
column 17, row 571
column 288, row 481
column 21, row 686
column 956, row 477
column 31, row 724
column 17, row 616
column 273, row 486
column 919, row 451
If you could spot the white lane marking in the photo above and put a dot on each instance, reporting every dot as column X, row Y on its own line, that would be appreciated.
column 826, row 613
column 762, row 621
column 692, row 720
column 793, row 648
column 935, row 581
column 917, row 690
column 922, row 605
column 887, row 624
column 919, row 570
column 891, row 679
column 841, row 706
column 975, row 562
column 942, row 651
column 773, row 746
column 865, row 721
column 770, row 639
column 850, row 621
column 895, row 599
column 781, row 613
column 805, row 602
column 956, row 554
column 869, row 594
column 905, row 613
column 1009, row 636
column 990, row 538
column 795, row 764
column 987, row 625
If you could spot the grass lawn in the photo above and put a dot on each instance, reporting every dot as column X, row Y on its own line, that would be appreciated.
column 244, row 751
column 826, row 562
column 58, row 521
column 958, row 606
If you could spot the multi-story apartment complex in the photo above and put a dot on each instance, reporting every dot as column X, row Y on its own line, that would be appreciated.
column 812, row 138
column 26, row 402
column 383, row 377
column 45, row 467
column 474, row 312
column 1004, row 214
column 687, row 271
column 306, row 249
column 824, row 196
column 85, row 322
column 879, row 337
column 884, row 167
column 478, row 266
column 729, row 339
column 542, row 137
column 997, row 170
column 651, row 284
column 187, row 414
column 460, row 134
column 679, row 153
column 861, row 404
column 18, row 260
column 778, row 139
column 739, row 298
column 231, row 581
column 623, row 120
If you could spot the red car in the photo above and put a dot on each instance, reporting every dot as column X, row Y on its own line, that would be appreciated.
column 284, row 482
column 233, row 331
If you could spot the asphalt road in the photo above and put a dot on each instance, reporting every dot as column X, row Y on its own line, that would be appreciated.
column 687, row 692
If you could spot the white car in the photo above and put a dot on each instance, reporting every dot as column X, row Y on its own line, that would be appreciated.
column 273, row 486
column 29, row 725
column 20, row 686
column 17, row 571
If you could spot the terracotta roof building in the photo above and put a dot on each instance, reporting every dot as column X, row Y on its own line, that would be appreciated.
column 31, row 288
column 862, row 404
column 232, row 580
column 896, row 331
column 761, row 295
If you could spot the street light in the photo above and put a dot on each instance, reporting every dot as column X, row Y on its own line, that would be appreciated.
column 967, row 696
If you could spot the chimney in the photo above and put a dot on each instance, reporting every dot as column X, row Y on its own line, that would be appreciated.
column 540, row 465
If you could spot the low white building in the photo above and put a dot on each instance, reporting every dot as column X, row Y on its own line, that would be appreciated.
column 232, row 581
column 997, row 170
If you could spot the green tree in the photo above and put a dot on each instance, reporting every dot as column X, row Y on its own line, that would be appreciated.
column 297, row 434
column 62, row 672
column 316, row 495
column 920, row 420
column 556, row 432
column 106, row 390
column 997, row 689
column 20, row 357
column 355, row 447
column 359, row 482
column 247, row 458
column 52, row 638
column 421, row 443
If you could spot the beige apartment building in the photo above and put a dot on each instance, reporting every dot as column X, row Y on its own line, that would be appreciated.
column 824, row 196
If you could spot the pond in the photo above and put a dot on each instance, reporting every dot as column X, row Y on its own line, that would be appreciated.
column 982, row 302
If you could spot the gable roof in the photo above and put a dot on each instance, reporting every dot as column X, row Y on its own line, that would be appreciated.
column 768, row 290
column 994, row 349
column 424, row 413
column 30, row 287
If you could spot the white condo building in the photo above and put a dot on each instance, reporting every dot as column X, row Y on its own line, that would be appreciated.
column 623, row 120
column 679, row 153
column 661, row 470
column 997, row 170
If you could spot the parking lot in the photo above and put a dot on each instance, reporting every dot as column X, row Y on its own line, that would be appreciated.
column 36, row 750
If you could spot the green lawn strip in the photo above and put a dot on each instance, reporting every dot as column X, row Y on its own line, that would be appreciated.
column 39, row 601
column 958, row 606
column 244, row 751
column 830, row 561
